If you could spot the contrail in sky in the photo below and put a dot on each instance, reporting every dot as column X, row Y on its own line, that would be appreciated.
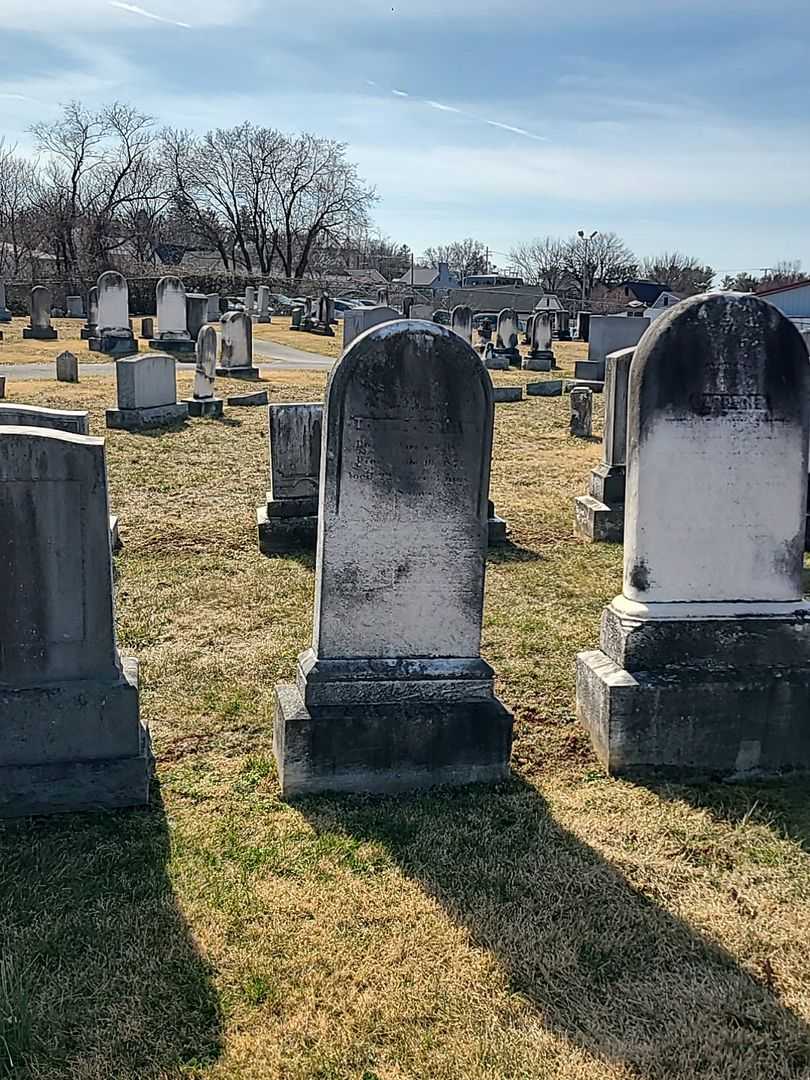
column 441, row 107
column 133, row 9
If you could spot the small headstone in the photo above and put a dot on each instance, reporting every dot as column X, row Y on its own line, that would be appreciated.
column 493, row 360
column 172, row 336
column 607, row 334
column 407, row 305
column 394, row 694
column 75, row 307
column 461, row 321
column 326, row 315
column 289, row 519
column 547, row 388
column 264, row 304
column 74, row 421
column 196, row 313
column 506, row 343
column 113, row 331
column 203, row 402
column 383, row 298
column 2, row 387
column 236, row 356
column 497, row 530
column 704, row 667
column 541, row 355
column 90, row 328
column 67, row 367
column 5, row 314
column 250, row 300
column 40, row 328
column 147, row 328
column 147, row 393
column 72, row 736
column 527, row 337
column 213, row 308
column 257, row 397
column 361, row 319
column 297, row 318
column 581, row 423
column 599, row 515
column 507, row 393
column 583, row 325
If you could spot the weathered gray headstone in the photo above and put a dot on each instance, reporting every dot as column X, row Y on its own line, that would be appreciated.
column 297, row 318
column 393, row 693
column 5, row 314
column 203, row 402
column 506, row 339
column 264, row 304
column 236, row 356
column 581, row 422
column 147, row 327
column 147, row 393
column 607, row 334
column 704, row 668
column 289, row 519
column 172, row 336
column 507, row 393
column 74, row 421
column 113, row 331
column 326, row 316
column 196, row 313
column 40, row 328
column 213, row 307
column 75, row 307
column 461, row 321
column 361, row 319
column 407, row 304
column 547, row 388
column 541, row 355
column 255, row 397
column 250, row 300
column 383, row 298
column 2, row 387
column 90, row 328
column 583, row 325
column 599, row 515
column 72, row 736
column 67, row 367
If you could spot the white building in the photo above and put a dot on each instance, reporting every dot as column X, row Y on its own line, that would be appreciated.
column 664, row 302
column 792, row 300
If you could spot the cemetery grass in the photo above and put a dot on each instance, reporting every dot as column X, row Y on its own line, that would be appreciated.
column 279, row 331
column 14, row 349
column 561, row 925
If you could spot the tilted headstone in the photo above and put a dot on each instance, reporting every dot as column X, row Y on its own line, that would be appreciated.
column 147, row 393
column 113, row 332
column 599, row 515
column 393, row 693
column 359, row 320
column 236, row 356
column 541, row 355
column 90, row 328
column 250, row 300
column 213, row 307
column 461, row 321
column 74, row 421
column 67, row 367
column 5, row 314
column 581, row 420
column 607, row 334
column 264, row 304
column 75, row 307
column 704, row 668
column 289, row 519
column 506, row 341
column 527, row 337
column 172, row 336
column 72, row 736
column 203, row 402
column 147, row 327
column 196, row 313
column 40, row 328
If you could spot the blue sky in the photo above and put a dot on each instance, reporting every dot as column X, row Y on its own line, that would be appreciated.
column 675, row 126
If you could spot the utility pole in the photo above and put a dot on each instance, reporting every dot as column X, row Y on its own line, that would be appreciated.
column 586, row 241
column 412, row 270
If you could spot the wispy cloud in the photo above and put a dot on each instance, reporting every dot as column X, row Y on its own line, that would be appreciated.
column 400, row 93
column 133, row 9
column 442, row 108
column 515, row 130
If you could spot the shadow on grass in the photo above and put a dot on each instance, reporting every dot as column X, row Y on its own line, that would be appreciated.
column 99, row 975
column 507, row 552
column 601, row 963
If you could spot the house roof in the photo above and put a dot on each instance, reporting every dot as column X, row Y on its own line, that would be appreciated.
column 645, row 291
column 422, row 275
column 783, row 288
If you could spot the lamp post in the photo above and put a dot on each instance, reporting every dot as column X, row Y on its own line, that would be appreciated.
column 586, row 241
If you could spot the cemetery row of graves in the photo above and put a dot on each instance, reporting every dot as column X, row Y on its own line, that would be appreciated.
column 527, row 915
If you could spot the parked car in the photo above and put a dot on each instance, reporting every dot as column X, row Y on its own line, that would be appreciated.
column 342, row 305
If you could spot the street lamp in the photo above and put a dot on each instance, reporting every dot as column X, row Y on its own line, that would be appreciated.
column 586, row 240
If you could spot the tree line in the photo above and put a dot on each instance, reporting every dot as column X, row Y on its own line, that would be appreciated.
column 109, row 186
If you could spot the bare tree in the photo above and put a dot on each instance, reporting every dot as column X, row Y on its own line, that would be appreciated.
column 21, row 227
column 463, row 257
column 541, row 262
column 603, row 260
column 683, row 274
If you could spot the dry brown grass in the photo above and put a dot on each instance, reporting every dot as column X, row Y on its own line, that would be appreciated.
column 279, row 330
column 562, row 926
column 15, row 350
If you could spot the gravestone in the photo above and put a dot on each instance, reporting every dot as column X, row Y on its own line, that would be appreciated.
column 90, row 328
column 296, row 318
column 527, row 336
column 581, row 420
column 75, row 307
column 236, row 355
column 147, row 328
column 540, row 356
column 407, row 305
column 5, row 314
column 507, row 393
column 289, row 519
column 113, row 331
column 547, row 388
column 196, row 313
column 172, row 336
column 506, row 337
column 74, row 421
column 67, row 367
column 583, row 325
column 607, row 334
column 394, row 694
column 361, row 319
column 203, row 402
column 72, row 736
column 420, row 311
column 704, row 667
column 213, row 307
column 147, row 393
column 461, row 321
column 806, row 338
column 40, row 328
column 250, row 300
column 2, row 387
column 264, row 304
column 326, row 315
column 383, row 298
column 494, row 361
column 599, row 515
column 256, row 397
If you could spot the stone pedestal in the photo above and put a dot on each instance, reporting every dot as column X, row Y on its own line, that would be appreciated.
column 589, row 371
column 138, row 419
column 147, row 394
column 495, row 360
column 119, row 344
column 496, row 527
column 39, row 333
column 210, row 407
column 542, row 360
column 175, row 346
column 286, row 524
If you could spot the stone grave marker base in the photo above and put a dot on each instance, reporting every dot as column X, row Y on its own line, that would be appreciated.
column 137, row 419
column 173, row 346
column 205, row 407
column 39, row 333
column 113, row 346
column 542, row 360
column 287, row 525
column 249, row 373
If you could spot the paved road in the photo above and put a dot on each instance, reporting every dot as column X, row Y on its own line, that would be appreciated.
column 268, row 355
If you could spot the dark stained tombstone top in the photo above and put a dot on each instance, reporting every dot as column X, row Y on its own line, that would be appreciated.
column 717, row 442
column 56, row 608
column 295, row 450
column 403, row 531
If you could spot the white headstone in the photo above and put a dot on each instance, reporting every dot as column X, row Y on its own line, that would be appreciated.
column 171, row 309
column 206, row 364
column 76, row 421
column 40, row 308
column 213, row 307
column 461, row 321
column 359, row 320
column 507, row 332
column 237, row 342
column 146, row 382
column 113, row 303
